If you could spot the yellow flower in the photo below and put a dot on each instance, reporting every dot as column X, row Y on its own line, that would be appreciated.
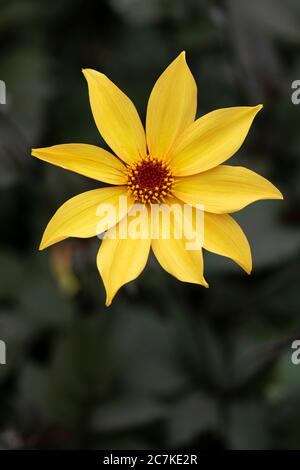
column 178, row 159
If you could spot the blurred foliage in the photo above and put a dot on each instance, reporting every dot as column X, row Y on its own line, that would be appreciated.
column 169, row 364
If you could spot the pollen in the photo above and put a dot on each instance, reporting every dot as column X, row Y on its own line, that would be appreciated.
column 150, row 180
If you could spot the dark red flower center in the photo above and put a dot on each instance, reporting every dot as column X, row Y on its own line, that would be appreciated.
column 149, row 180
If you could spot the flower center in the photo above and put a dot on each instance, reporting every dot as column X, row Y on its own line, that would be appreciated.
column 149, row 180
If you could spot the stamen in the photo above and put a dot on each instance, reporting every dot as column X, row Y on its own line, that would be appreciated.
column 150, row 180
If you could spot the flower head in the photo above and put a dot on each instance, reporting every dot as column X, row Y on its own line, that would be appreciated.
column 177, row 162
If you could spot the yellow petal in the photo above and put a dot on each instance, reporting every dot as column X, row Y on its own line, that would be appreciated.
column 224, row 236
column 224, row 189
column 116, row 117
column 88, row 160
column 122, row 259
column 212, row 139
column 87, row 215
column 172, row 253
column 171, row 107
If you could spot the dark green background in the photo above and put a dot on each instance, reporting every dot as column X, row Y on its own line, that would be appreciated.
column 169, row 364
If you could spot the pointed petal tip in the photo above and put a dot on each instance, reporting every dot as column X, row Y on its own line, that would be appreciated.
column 279, row 194
column 255, row 109
column 85, row 72
column 276, row 194
column 247, row 267
column 109, row 299
column 181, row 57
column 91, row 73
column 42, row 246
column 38, row 152
column 88, row 73
column 45, row 243
column 34, row 152
column 203, row 283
